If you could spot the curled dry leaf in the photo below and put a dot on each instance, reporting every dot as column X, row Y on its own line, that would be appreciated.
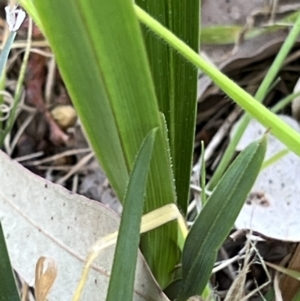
column 43, row 219
column 45, row 275
column 273, row 206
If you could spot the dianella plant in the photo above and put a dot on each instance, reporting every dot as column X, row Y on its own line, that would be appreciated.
column 131, row 70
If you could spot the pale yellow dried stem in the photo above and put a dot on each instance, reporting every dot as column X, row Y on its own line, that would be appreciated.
column 236, row 291
column 150, row 221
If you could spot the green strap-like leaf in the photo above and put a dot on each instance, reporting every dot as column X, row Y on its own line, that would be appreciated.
column 278, row 128
column 217, row 217
column 3, row 59
column 6, row 50
column 99, row 49
column 175, row 82
column 8, row 288
column 122, row 278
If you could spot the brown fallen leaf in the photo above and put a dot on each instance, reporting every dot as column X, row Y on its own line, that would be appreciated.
column 45, row 275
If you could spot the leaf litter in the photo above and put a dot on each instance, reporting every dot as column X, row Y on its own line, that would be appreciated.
column 246, row 62
column 43, row 219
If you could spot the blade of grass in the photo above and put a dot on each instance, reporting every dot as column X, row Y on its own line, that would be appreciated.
column 99, row 49
column 6, row 50
column 240, row 130
column 8, row 287
column 259, row 95
column 217, row 218
column 275, row 158
column 18, row 91
column 3, row 60
column 175, row 83
column 120, row 287
column 203, row 175
column 253, row 107
column 292, row 273
column 284, row 102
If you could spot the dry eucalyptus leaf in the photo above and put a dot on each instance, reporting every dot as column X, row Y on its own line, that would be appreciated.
column 45, row 275
column 273, row 206
column 43, row 219
column 246, row 51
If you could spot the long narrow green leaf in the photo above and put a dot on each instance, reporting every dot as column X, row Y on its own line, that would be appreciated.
column 202, row 179
column 8, row 288
column 175, row 82
column 18, row 91
column 3, row 60
column 279, row 128
column 6, row 50
column 100, row 52
column 259, row 95
column 122, row 277
column 217, row 217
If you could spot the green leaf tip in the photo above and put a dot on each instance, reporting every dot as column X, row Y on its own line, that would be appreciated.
column 215, row 221
column 125, row 259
